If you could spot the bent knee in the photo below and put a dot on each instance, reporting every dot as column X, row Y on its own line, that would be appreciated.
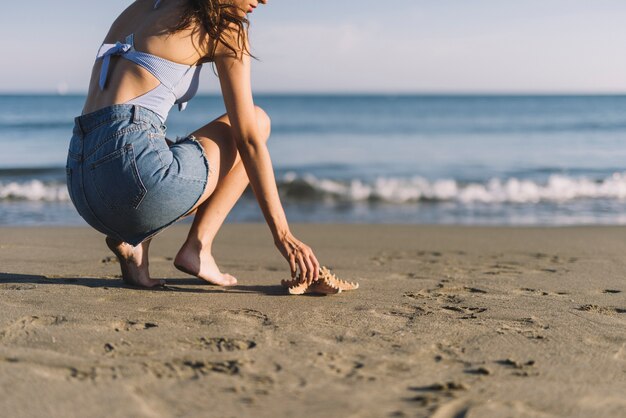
column 264, row 122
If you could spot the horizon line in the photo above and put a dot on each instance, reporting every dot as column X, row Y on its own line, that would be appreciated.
column 358, row 93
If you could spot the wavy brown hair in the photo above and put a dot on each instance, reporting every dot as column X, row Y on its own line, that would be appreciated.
column 217, row 20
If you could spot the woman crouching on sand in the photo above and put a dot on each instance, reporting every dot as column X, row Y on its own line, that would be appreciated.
column 129, row 182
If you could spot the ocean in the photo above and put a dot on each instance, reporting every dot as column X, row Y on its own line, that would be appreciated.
column 428, row 159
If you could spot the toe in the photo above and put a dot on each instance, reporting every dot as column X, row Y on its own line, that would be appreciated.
column 230, row 280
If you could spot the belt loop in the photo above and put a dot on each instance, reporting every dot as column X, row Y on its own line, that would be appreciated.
column 133, row 114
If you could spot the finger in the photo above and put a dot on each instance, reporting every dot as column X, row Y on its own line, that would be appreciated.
column 316, row 266
column 310, row 269
column 292, row 265
column 303, row 269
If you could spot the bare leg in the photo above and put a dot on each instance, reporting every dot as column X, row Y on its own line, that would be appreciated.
column 133, row 262
column 223, row 191
column 195, row 256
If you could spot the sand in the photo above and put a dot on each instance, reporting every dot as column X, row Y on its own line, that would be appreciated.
column 448, row 322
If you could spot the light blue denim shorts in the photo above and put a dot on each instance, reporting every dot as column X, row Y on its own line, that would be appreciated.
column 125, row 180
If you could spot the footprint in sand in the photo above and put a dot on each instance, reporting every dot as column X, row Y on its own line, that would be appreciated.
column 246, row 320
column 420, row 257
column 409, row 275
column 479, row 371
column 521, row 368
column 178, row 369
column 467, row 312
column 132, row 325
column 445, row 293
column 499, row 269
column 347, row 368
column 437, row 394
column 444, row 287
column 198, row 368
column 450, row 353
column 530, row 327
column 29, row 326
column 422, row 294
column 226, row 344
column 408, row 312
column 540, row 292
column 604, row 310
column 474, row 290
column 451, row 299
column 525, row 263
column 250, row 314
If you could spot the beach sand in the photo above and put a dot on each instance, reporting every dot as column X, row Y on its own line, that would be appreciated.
column 448, row 322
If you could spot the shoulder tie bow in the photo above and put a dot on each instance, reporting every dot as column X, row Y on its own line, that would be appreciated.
column 105, row 53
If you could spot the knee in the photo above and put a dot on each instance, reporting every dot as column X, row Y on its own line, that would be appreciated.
column 264, row 121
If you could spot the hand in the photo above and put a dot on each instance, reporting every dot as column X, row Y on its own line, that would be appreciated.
column 300, row 256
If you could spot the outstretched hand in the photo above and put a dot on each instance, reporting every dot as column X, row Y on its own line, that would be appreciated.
column 302, row 261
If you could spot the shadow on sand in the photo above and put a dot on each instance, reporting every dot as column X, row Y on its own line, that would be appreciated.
column 29, row 281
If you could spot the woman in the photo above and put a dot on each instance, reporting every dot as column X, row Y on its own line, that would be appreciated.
column 128, row 182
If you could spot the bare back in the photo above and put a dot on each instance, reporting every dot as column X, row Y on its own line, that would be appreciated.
column 150, row 26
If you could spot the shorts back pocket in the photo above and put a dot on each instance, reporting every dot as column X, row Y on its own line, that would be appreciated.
column 116, row 179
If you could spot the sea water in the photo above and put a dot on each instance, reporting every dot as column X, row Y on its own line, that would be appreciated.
column 467, row 159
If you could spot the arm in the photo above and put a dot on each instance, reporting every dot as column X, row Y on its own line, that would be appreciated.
column 234, row 75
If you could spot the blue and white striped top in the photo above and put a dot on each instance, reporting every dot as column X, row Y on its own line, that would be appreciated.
column 178, row 82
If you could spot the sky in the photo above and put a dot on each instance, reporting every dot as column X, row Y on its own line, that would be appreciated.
column 365, row 46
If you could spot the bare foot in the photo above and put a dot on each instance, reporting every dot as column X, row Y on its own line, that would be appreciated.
column 134, row 263
column 192, row 260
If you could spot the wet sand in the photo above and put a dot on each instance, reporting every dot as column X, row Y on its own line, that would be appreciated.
column 448, row 322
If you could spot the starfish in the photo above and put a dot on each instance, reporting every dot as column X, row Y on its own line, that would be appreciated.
column 326, row 284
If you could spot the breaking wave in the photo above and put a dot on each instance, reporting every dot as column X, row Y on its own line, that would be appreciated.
column 392, row 190
column 557, row 188
column 34, row 190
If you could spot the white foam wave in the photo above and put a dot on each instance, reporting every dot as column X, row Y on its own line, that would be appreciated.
column 557, row 188
column 34, row 190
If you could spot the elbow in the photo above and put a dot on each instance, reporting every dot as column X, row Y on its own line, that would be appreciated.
column 254, row 136
column 264, row 123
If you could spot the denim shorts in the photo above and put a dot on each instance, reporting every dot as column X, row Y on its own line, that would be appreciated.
column 125, row 180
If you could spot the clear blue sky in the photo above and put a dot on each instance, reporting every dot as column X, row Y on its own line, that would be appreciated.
column 363, row 46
